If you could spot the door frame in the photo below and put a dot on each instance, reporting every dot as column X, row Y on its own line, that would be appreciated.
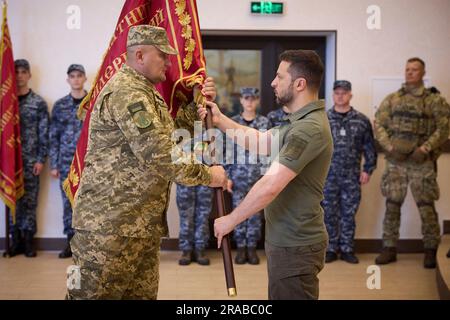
column 251, row 39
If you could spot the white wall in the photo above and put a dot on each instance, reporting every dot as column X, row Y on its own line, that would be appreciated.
column 408, row 28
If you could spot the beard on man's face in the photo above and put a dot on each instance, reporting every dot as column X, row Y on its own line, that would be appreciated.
column 284, row 98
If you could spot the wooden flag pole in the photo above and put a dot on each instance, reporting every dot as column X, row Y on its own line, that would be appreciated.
column 226, row 247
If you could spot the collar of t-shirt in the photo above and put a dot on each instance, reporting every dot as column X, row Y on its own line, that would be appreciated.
column 77, row 101
column 23, row 97
column 310, row 107
column 343, row 114
column 247, row 122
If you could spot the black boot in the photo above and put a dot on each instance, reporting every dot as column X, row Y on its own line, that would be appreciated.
column 330, row 256
column 241, row 256
column 199, row 256
column 429, row 260
column 387, row 255
column 67, row 252
column 186, row 258
column 349, row 257
column 17, row 243
column 29, row 248
column 252, row 257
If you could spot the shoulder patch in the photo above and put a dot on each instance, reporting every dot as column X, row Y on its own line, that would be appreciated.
column 294, row 148
column 141, row 117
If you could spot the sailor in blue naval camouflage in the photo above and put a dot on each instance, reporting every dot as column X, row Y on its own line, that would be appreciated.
column 353, row 138
column 33, row 112
column 65, row 129
column 246, row 170
column 277, row 117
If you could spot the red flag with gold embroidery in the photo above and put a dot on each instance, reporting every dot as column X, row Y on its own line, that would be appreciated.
column 180, row 19
column 11, row 166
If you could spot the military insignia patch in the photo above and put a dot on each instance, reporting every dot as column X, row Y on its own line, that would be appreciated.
column 295, row 148
column 141, row 118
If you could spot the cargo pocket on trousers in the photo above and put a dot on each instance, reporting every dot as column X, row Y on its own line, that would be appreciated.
column 385, row 184
column 430, row 188
column 393, row 185
column 294, row 263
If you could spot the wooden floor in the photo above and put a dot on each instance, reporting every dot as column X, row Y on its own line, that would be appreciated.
column 44, row 278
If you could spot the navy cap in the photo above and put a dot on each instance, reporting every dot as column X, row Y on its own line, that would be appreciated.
column 76, row 67
column 248, row 91
column 22, row 63
column 343, row 84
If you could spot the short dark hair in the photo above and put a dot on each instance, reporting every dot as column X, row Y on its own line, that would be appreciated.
column 305, row 64
column 416, row 59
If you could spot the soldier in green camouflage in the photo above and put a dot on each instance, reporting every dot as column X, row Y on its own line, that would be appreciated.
column 411, row 125
column 120, row 207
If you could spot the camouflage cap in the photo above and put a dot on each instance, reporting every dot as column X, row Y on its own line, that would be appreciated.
column 76, row 67
column 22, row 63
column 249, row 91
column 343, row 84
column 149, row 35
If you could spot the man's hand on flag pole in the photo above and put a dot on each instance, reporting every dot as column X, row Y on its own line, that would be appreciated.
column 54, row 173
column 223, row 226
column 216, row 114
column 37, row 169
column 209, row 89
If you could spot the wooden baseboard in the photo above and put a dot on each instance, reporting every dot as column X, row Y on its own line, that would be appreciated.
column 446, row 227
column 361, row 245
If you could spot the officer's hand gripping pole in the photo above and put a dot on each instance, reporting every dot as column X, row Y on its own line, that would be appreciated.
column 220, row 203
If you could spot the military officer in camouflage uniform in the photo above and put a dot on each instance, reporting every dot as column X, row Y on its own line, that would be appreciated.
column 33, row 112
column 277, row 117
column 65, row 129
column 411, row 125
column 243, row 174
column 120, row 208
column 352, row 138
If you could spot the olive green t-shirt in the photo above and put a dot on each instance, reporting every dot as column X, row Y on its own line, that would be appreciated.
column 295, row 217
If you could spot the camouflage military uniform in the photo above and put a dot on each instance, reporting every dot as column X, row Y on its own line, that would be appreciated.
column 405, row 120
column 352, row 137
column 276, row 117
column 65, row 129
column 33, row 112
column 121, row 204
column 244, row 175
column 194, row 205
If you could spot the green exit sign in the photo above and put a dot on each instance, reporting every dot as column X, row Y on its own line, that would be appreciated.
column 266, row 7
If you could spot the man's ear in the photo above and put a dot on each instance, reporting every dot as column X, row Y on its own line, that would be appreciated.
column 300, row 84
column 139, row 56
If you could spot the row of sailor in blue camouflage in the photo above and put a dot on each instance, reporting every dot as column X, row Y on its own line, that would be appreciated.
column 352, row 138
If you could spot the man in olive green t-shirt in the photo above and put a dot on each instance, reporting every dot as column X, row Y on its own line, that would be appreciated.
column 292, row 188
